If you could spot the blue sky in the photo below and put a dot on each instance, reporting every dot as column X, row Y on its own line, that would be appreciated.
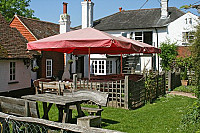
column 50, row 10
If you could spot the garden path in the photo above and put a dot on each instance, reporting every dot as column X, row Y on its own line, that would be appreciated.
column 191, row 95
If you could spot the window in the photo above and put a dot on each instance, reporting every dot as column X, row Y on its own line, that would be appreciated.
column 98, row 67
column 48, row 67
column 138, row 66
column 101, row 66
column 138, row 36
column 12, row 71
column 109, row 68
column 145, row 36
column 187, row 37
column 190, row 20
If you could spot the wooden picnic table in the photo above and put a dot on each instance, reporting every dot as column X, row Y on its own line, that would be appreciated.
column 62, row 103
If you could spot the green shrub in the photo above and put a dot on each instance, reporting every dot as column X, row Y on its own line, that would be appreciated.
column 189, row 89
column 191, row 121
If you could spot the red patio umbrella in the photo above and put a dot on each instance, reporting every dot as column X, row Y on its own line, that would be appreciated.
column 147, row 49
column 86, row 41
column 83, row 40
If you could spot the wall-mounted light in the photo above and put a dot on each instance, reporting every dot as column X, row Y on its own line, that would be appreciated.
column 27, row 62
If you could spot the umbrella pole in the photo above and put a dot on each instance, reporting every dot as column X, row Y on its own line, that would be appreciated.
column 121, row 63
column 89, row 64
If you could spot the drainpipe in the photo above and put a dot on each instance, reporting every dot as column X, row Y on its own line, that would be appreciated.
column 157, row 47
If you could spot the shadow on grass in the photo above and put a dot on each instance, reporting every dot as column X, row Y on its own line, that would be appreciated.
column 107, row 122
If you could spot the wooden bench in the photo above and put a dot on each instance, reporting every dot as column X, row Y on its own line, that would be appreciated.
column 18, row 107
column 89, row 121
column 91, row 111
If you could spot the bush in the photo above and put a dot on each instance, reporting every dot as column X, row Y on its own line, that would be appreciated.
column 191, row 121
column 188, row 89
column 168, row 54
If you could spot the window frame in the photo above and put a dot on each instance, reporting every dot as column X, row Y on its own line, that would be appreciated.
column 98, row 67
column 12, row 72
column 186, row 37
column 142, row 36
column 51, row 66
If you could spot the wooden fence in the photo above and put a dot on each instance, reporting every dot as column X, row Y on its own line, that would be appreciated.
column 15, row 124
column 173, row 79
column 127, row 91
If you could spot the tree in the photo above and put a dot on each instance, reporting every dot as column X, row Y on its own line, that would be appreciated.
column 168, row 54
column 8, row 8
column 195, row 50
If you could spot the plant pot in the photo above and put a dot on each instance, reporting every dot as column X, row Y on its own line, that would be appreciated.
column 184, row 82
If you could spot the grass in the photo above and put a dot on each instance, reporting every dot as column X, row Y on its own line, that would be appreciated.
column 160, row 117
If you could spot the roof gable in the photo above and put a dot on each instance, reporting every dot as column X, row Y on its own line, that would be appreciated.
column 40, row 29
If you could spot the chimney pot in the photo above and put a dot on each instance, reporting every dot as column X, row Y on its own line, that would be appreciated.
column 120, row 9
column 65, row 8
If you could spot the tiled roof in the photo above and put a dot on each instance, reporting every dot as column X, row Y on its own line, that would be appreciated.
column 40, row 29
column 12, row 43
column 136, row 19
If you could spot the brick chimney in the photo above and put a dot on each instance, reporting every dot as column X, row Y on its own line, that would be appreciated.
column 87, row 13
column 64, row 20
column 164, row 9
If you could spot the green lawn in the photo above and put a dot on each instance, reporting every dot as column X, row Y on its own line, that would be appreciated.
column 160, row 117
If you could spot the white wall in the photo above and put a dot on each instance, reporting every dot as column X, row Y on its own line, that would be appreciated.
column 176, row 28
column 173, row 31
column 23, row 76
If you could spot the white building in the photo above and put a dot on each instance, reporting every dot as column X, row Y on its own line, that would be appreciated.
column 152, row 26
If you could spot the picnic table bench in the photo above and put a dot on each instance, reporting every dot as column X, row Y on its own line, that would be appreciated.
column 99, row 98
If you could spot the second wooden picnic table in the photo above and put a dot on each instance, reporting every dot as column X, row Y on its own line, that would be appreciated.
column 62, row 102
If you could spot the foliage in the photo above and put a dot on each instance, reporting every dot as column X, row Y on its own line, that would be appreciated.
column 150, row 85
column 168, row 54
column 184, row 75
column 186, row 6
column 188, row 89
column 70, row 61
column 161, row 117
column 8, row 8
column 35, row 68
column 195, row 48
column 191, row 121
column 183, row 63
